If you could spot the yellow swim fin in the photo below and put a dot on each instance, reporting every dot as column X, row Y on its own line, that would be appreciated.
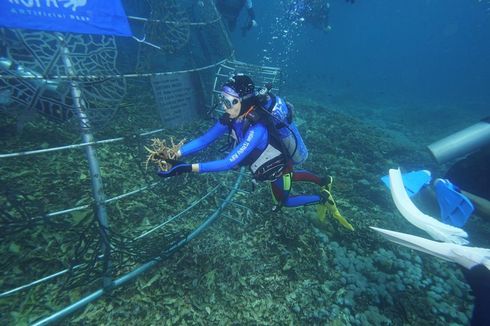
column 336, row 215
column 321, row 212
column 329, row 206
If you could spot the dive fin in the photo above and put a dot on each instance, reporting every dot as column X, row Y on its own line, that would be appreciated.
column 336, row 215
column 330, row 206
column 456, row 208
column 321, row 212
column 412, row 181
column 435, row 228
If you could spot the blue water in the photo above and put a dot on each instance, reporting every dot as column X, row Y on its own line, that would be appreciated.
column 418, row 70
column 431, row 57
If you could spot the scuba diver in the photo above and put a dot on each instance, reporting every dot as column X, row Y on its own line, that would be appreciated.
column 313, row 12
column 267, row 140
column 230, row 10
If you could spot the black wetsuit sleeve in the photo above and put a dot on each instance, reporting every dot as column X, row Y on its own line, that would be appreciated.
column 479, row 280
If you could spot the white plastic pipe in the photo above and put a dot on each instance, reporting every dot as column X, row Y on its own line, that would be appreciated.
column 461, row 142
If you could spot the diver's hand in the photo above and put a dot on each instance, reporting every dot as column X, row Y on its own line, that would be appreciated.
column 254, row 23
column 178, row 168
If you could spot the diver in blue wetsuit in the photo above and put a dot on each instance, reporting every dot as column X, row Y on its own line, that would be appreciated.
column 269, row 146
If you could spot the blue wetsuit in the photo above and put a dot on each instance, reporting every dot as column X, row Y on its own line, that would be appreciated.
column 255, row 138
column 251, row 144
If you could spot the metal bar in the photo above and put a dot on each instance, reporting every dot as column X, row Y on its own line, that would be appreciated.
column 234, row 219
column 110, row 200
column 228, row 67
column 39, row 281
column 250, row 65
column 71, row 309
column 239, row 205
column 178, row 215
column 94, row 168
column 143, row 268
column 167, row 73
column 221, row 75
column 66, row 211
column 47, row 278
column 107, row 201
column 53, row 149
column 174, row 22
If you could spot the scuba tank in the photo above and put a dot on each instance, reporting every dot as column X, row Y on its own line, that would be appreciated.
column 279, row 114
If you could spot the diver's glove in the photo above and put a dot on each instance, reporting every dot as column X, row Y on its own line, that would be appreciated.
column 178, row 168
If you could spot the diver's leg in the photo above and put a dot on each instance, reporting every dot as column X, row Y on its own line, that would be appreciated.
column 281, row 189
column 302, row 200
column 307, row 176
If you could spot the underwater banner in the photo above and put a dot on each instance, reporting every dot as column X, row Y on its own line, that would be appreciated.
column 76, row 16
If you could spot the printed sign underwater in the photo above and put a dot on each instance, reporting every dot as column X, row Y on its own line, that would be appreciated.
column 76, row 16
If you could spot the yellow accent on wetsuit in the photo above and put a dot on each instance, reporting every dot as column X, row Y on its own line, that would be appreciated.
column 286, row 185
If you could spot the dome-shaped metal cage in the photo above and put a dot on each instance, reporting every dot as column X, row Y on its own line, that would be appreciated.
column 72, row 101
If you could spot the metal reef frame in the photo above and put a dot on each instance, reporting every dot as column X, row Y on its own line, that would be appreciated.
column 225, row 67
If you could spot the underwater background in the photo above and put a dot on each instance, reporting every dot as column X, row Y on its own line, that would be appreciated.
column 424, row 57
column 389, row 78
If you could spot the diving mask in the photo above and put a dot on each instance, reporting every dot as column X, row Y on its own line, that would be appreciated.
column 228, row 101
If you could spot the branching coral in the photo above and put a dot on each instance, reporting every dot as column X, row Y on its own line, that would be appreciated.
column 160, row 152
